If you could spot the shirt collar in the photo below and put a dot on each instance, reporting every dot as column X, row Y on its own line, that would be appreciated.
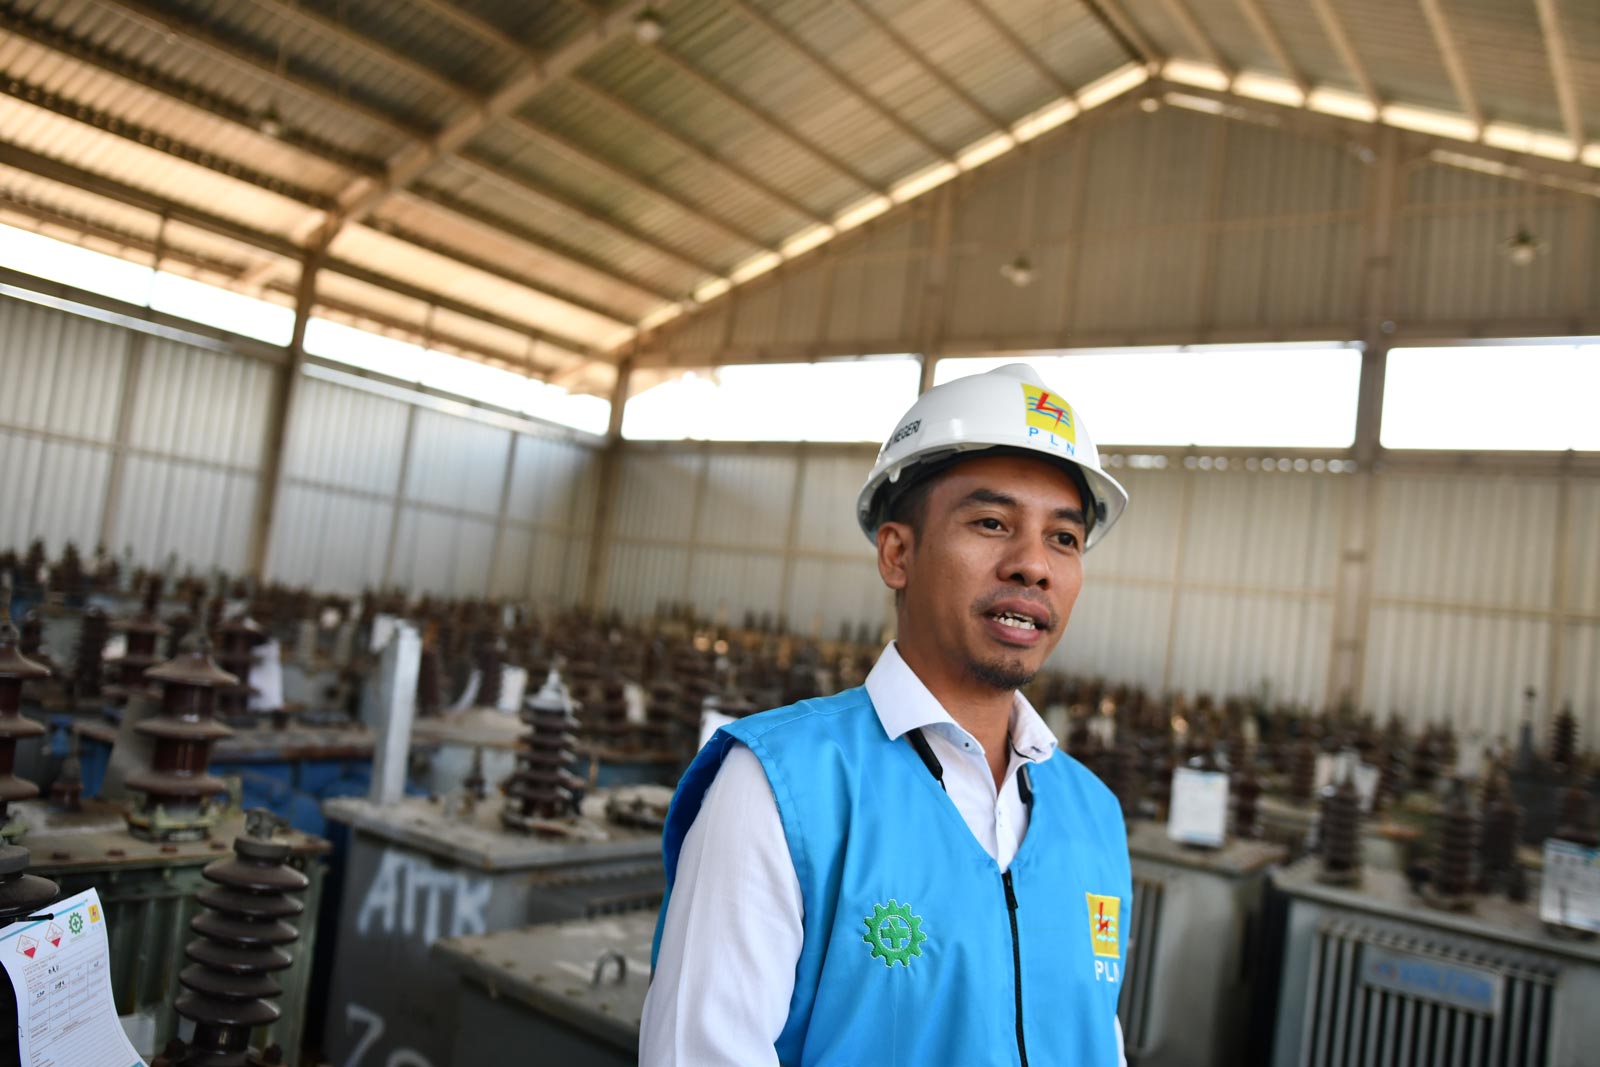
column 903, row 703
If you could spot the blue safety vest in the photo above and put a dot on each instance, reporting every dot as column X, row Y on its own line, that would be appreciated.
column 918, row 950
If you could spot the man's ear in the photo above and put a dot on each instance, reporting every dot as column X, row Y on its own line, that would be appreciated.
column 894, row 554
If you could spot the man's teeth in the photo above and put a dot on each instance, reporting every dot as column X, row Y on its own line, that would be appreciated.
column 1021, row 622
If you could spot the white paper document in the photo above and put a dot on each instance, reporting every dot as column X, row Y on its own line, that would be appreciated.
column 1570, row 893
column 60, row 968
column 1198, row 812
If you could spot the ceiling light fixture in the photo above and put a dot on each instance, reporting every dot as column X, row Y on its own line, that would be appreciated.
column 271, row 122
column 648, row 27
column 1522, row 248
column 1019, row 272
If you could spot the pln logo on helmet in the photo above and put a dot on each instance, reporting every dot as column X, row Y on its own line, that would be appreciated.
column 1050, row 419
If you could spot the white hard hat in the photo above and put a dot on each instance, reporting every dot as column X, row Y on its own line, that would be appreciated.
column 1007, row 408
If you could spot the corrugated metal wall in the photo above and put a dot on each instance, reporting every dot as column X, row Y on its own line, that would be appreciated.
column 1220, row 578
column 134, row 438
column 145, row 438
column 395, row 488
column 1169, row 228
column 735, row 529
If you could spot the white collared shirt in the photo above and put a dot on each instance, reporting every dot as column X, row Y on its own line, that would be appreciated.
column 713, row 1002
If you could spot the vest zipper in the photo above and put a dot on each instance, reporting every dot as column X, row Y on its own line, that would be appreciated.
column 1016, row 961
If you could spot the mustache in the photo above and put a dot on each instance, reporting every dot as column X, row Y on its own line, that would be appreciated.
column 985, row 604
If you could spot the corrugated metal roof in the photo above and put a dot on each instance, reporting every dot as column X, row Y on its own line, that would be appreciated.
column 619, row 208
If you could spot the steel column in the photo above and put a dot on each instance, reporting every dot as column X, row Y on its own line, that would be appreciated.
column 132, row 367
column 281, row 416
column 601, row 529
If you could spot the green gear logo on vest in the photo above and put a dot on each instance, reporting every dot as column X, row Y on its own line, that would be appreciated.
column 893, row 933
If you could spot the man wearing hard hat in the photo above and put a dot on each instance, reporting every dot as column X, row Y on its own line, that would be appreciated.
column 909, row 872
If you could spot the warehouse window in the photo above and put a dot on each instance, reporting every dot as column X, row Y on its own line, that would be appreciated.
column 1501, row 396
column 1299, row 396
column 844, row 400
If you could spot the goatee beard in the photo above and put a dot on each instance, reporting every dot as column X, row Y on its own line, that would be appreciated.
column 999, row 674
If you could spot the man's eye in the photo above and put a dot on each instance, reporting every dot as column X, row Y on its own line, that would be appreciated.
column 1068, row 540
column 989, row 524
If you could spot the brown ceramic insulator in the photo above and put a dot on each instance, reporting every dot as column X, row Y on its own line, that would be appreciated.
column 1246, row 791
column 476, row 785
column 144, row 632
column 32, row 563
column 1455, row 859
column 430, row 681
column 176, row 792
column 181, row 625
column 544, row 786
column 1303, row 772
column 1164, row 764
column 66, row 792
column 1119, row 770
column 15, row 670
column 1394, row 771
column 605, row 715
column 22, row 894
column 1564, row 739
column 66, row 577
column 1498, row 838
column 1578, row 822
column 491, row 675
column 1237, row 750
column 30, row 641
column 1445, row 750
column 237, row 639
column 245, row 933
column 89, row 661
column 1340, row 835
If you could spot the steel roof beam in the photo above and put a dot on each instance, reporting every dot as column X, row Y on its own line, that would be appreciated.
column 638, row 183
column 465, row 98
column 1120, row 25
column 230, row 54
column 1257, row 17
column 96, row 56
column 1019, row 46
column 132, row 196
column 474, row 24
column 530, row 76
column 766, row 119
column 1555, row 45
column 693, row 148
column 854, row 88
column 1347, row 53
column 156, row 141
column 499, row 226
column 1455, row 66
column 927, row 66
column 353, row 38
column 318, row 203
column 374, row 181
column 560, row 204
column 1198, row 38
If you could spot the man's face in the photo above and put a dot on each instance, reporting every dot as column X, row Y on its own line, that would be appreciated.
column 992, row 573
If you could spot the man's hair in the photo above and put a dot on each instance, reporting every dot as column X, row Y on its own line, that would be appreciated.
column 910, row 505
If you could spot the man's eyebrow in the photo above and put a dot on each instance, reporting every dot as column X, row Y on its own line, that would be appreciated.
column 1070, row 515
column 988, row 496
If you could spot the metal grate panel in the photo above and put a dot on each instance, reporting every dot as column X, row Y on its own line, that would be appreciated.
column 1138, row 984
column 1378, row 999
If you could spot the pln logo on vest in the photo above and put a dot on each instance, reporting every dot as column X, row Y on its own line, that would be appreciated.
column 1049, row 419
column 1105, row 936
